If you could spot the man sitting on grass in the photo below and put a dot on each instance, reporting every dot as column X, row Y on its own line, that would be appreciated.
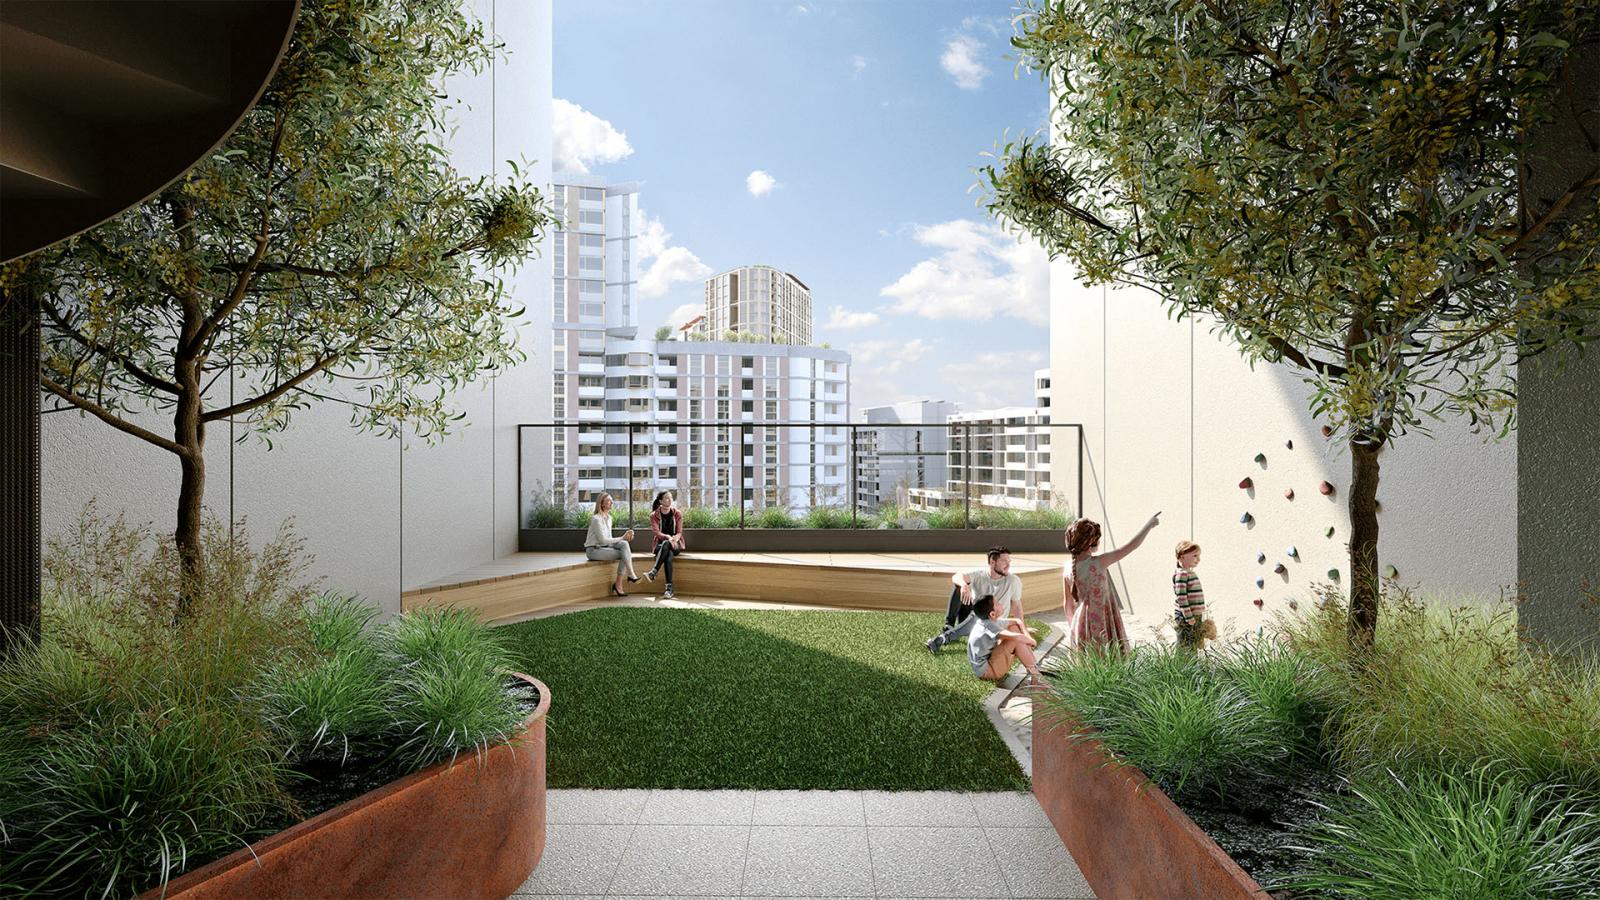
column 992, row 647
column 995, row 580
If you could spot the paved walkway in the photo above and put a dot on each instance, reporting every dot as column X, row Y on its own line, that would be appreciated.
column 641, row 843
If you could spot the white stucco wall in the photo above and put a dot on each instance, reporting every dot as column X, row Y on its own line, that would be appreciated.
column 378, row 514
column 1173, row 417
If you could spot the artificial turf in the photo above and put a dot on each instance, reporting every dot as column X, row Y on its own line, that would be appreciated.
column 689, row 698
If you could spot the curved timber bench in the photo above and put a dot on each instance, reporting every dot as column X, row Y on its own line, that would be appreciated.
column 525, row 583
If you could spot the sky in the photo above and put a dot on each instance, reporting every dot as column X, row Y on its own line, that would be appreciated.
column 835, row 140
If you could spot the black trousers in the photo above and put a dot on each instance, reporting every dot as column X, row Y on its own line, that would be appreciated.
column 957, row 610
column 665, row 551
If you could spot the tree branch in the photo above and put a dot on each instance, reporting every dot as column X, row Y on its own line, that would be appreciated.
column 283, row 388
column 111, row 418
column 94, row 346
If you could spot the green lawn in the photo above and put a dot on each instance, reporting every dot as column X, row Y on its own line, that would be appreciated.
column 680, row 698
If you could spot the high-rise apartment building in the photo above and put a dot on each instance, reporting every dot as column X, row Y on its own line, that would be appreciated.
column 1000, row 458
column 766, row 303
column 706, row 418
column 899, row 448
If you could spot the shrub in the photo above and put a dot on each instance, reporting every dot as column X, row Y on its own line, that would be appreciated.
column 889, row 515
column 827, row 517
column 948, row 517
column 727, row 517
column 1474, row 835
column 448, row 685
column 1453, row 689
column 774, row 517
column 578, row 516
column 337, row 694
column 548, row 515
column 699, row 517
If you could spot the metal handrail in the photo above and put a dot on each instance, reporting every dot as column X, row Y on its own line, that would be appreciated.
column 746, row 469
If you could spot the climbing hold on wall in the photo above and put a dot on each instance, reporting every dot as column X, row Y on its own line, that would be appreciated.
column 1391, row 572
column 1333, row 574
column 1247, row 519
column 1246, row 484
column 1261, row 458
column 1327, row 532
column 1327, row 431
column 1261, row 557
column 1288, row 494
column 1326, row 489
column 1261, row 582
column 1293, row 603
column 1280, row 568
column 1258, row 603
column 1293, row 552
column 1288, row 445
column 1377, row 505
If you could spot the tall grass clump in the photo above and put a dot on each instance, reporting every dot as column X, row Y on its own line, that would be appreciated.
column 827, row 517
column 133, row 740
column 773, row 517
column 1197, row 726
column 578, row 516
column 548, row 515
column 333, row 699
column 1455, row 688
column 1468, row 835
column 727, row 517
column 448, row 685
column 948, row 517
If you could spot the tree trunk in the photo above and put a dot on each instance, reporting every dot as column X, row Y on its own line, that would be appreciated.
column 1364, row 585
column 189, row 432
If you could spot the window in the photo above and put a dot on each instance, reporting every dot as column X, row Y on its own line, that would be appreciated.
column 590, row 403
column 591, row 220
column 560, row 255
column 591, row 264
column 590, row 449
column 590, row 242
column 614, row 405
column 592, row 195
column 747, row 362
column 669, row 405
column 637, row 382
column 591, row 474
column 669, row 473
column 670, row 362
column 722, row 389
column 591, row 312
column 772, row 410
column 723, row 364
column 747, row 384
column 591, row 381
column 747, row 406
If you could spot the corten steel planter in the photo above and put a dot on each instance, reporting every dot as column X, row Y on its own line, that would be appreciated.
column 474, row 828
column 818, row 540
column 1127, row 836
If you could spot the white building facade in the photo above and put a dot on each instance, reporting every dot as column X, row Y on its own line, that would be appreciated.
column 765, row 303
column 998, row 458
column 708, row 419
column 900, row 448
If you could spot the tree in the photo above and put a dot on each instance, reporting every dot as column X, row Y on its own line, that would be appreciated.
column 663, row 332
column 1336, row 186
column 326, row 251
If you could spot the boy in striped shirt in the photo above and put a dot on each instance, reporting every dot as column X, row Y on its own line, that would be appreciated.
column 1190, row 615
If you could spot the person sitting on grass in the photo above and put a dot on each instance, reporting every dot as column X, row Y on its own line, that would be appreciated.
column 666, row 525
column 992, row 647
column 995, row 580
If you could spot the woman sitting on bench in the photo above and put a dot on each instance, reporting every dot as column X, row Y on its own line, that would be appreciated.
column 991, row 647
column 599, row 544
column 666, row 525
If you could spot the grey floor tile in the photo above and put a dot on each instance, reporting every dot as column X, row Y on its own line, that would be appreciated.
column 1036, row 864
column 698, row 808
column 578, row 859
column 809, row 808
column 919, row 808
column 1009, row 809
column 699, row 860
column 583, row 806
column 934, row 862
column 807, row 861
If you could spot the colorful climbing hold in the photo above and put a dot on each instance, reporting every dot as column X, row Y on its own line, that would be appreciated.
column 1261, row 458
column 1288, row 494
column 1293, row 603
column 1391, row 572
column 1288, row 445
column 1293, row 552
column 1327, row 532
column 1246, row 484
column 1280, row 568
column 1333, row 574
column 1261, row 557
column 1326, row 489
column 1247, row 519
column 1261, row 582
column 1327, row 431
column 1258, row 602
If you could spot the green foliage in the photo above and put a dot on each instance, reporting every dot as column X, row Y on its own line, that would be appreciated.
column 699, row 517
column 947, row 517
column 1197, row 726
column 326, row 250
column 1340, row 188
column 889, row 514
column 752, row 714
column 578, row 516
column 663, row 332
column 772, row 517
column 1453, row 689
column 548, row 515
column 1470, row 835
column 827, row 517
column 727, row 518
column 448, row 685
column 336, row 694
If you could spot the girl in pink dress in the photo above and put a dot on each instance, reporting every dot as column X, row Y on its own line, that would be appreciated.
column 1094, row 617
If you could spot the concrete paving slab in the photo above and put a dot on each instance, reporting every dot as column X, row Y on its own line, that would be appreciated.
column 677, row 807
column 585, row 806
column 802, row 861
column 919, row 808
column 934, row 862
column 693, row 860
column 809, row 808
column 1009, row 809
column 578, row 859
column 1036, row 864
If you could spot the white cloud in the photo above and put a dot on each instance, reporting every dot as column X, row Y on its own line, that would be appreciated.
column 684, row 313
column 582, row 138
column 858, row 64
column 760, row 183
column 994, row 379
column 842, row 318
column 882, row 371
column 663, row 264
column 960, row 61
column 887, row 357
column 980, row 272
column 802, row 9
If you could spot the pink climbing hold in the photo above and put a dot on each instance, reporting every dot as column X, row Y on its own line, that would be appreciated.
column 1258, row 602
column 1326, row 489
column 1288, row 494
column 1246, row 484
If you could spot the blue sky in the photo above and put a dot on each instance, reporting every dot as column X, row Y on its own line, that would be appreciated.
column 835, row 140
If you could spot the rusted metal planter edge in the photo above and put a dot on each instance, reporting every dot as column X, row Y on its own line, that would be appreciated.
column 1127, row 836
column 469, row 828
